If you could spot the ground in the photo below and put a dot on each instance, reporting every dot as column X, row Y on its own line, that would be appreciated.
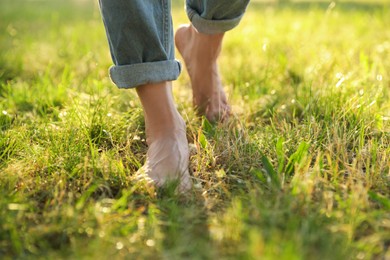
column 301, row 171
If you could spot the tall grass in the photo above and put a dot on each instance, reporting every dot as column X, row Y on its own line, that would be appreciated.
column 300, row 172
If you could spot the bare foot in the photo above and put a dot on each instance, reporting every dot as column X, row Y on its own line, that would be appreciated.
column 167, row 158
column 200, row 53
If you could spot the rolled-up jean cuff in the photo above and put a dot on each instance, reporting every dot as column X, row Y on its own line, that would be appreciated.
column 134, row 75
column 212, row 26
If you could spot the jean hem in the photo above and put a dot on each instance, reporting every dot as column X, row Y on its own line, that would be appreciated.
column 134, row 75
column 212, row 26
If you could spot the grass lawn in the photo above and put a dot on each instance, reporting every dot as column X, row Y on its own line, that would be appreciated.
column 300, row 172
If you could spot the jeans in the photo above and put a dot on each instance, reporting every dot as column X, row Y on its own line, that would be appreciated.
column 140, row 35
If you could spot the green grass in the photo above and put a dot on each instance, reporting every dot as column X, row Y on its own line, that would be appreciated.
column 300, row 172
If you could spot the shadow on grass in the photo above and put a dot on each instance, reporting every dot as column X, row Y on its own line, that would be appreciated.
column 184, row 227
column 285, row 226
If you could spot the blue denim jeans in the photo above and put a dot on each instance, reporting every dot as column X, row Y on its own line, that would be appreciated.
column 140, row 35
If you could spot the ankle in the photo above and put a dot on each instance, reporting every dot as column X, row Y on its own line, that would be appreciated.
column 173, row 131
column 166, row 124
column 213, row 41
column 198, row 48
column 161, row 116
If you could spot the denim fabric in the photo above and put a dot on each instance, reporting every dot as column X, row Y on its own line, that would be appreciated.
column 140, row 35
column 215, row 16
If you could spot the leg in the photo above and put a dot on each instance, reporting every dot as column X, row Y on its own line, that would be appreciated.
column 168, row 156
column 200, row 45
column 140, row 36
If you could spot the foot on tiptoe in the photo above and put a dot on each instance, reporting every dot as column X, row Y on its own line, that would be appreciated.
column 200, row 53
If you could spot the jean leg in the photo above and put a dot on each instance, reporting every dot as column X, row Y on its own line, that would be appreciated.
column 215, row 16
column 140, row 36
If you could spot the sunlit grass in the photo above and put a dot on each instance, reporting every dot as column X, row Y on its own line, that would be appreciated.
column 301, row 171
